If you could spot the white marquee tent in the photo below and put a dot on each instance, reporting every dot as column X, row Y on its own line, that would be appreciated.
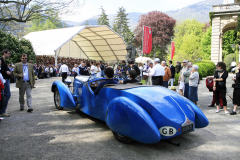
column 90, row 42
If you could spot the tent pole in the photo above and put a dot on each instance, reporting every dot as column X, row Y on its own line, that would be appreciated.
column 68, row 49
column 56, row 57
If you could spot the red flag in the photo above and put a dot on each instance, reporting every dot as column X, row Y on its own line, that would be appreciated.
column 147, row 40
column 173, row 50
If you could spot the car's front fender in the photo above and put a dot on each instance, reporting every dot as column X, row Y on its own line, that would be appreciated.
column 66, row 97
column 129, row 119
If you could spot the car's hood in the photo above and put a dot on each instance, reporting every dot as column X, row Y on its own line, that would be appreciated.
column 170, row 104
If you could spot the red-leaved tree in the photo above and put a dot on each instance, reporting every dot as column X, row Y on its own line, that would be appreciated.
column 162, row 30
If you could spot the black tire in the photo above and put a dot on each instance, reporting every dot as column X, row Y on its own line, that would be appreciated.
column 57, row 100
column 122, row 139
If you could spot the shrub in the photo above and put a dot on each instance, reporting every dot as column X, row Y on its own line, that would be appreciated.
column 228, row 60
column 208, row 62
column 176, row 79
column 205, row 69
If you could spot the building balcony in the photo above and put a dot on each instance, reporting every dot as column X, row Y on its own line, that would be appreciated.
column 226, row 7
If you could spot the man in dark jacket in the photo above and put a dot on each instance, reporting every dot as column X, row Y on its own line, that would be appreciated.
column 83, row 70
column 132, row 66
column 6, row 75
column 172, row 68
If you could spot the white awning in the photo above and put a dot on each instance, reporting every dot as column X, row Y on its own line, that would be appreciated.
column 93, row 42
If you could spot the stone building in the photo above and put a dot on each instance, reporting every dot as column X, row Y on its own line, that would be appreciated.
column 224, row 18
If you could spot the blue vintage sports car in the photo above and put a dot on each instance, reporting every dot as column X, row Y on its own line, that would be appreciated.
column 137, row 112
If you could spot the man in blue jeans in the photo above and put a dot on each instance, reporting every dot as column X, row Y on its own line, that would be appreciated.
column 6, row 75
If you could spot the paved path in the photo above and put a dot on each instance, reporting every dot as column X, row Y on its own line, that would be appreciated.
column 51, row 134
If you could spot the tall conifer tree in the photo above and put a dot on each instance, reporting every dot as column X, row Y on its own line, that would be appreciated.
column 103, row 18
column 120, row 25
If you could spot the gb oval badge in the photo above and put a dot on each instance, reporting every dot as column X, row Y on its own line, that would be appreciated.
column 167, row 131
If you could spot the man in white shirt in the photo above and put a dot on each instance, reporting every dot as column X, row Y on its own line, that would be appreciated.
column 92, row 69
column 157, row 73
column 233, row 65
column 64, row 70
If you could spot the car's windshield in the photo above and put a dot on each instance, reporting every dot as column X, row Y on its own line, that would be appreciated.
column 93, row 76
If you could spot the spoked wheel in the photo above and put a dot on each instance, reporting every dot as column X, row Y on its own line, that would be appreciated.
column 57, row 99
column 121, row 138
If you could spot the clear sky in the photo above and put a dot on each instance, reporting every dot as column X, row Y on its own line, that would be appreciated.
column 91, row 7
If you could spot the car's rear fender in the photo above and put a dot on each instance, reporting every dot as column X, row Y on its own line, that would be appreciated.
column 129, row 119
column 66, row 97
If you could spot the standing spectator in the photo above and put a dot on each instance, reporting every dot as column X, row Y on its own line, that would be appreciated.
column 181, row 77
column 177, row 68
column 92, row 69
column 193, row 84
column 172, row 68
column 125, row 69
column 102, row 68
column 149, row 77
column 233, row 65
column 64, row 71
column 40, row 72
column 167, row 75
column 180, row 66
column 6, row 75
column 219, row 85
column 75, row 70
column 83, row 69
column 51, row 71
column 47, row 71
column 146, row 70
column 132, row 66
column 157, row 73
column 186, row 79
column 119, row 71
column 54, row 71
column 140, row 66
column 98, row 70
column 236, row 91
column 114, row 67
column 24, row 72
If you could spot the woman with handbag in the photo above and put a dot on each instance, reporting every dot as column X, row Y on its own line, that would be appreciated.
column 236, row 91
column 219, row 85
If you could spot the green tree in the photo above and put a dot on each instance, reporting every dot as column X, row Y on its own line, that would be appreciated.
column 206, row 44
column 103, row 18
column 16, row 46
column 120, row 25
column 229, row 38
column 188, row 36
column 51, row 21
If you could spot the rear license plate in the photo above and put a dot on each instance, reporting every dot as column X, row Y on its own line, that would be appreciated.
column 187, row 128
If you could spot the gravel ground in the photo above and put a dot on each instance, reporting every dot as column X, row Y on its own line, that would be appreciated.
column 48, row 133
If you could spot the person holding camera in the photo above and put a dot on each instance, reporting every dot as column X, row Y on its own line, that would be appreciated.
column 219, row 85
column 236, row 91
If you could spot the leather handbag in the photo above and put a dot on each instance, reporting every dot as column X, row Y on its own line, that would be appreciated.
column 3, row 101
column 221, row 84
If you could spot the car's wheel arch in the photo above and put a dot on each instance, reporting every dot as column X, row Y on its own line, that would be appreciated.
column 123, row 116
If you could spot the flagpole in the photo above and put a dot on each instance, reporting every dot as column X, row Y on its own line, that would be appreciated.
column 142, row 43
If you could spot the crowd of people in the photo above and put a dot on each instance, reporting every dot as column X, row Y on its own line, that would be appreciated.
column 159, row 73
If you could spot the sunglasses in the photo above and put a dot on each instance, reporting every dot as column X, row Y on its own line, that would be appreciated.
column 24, row 58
